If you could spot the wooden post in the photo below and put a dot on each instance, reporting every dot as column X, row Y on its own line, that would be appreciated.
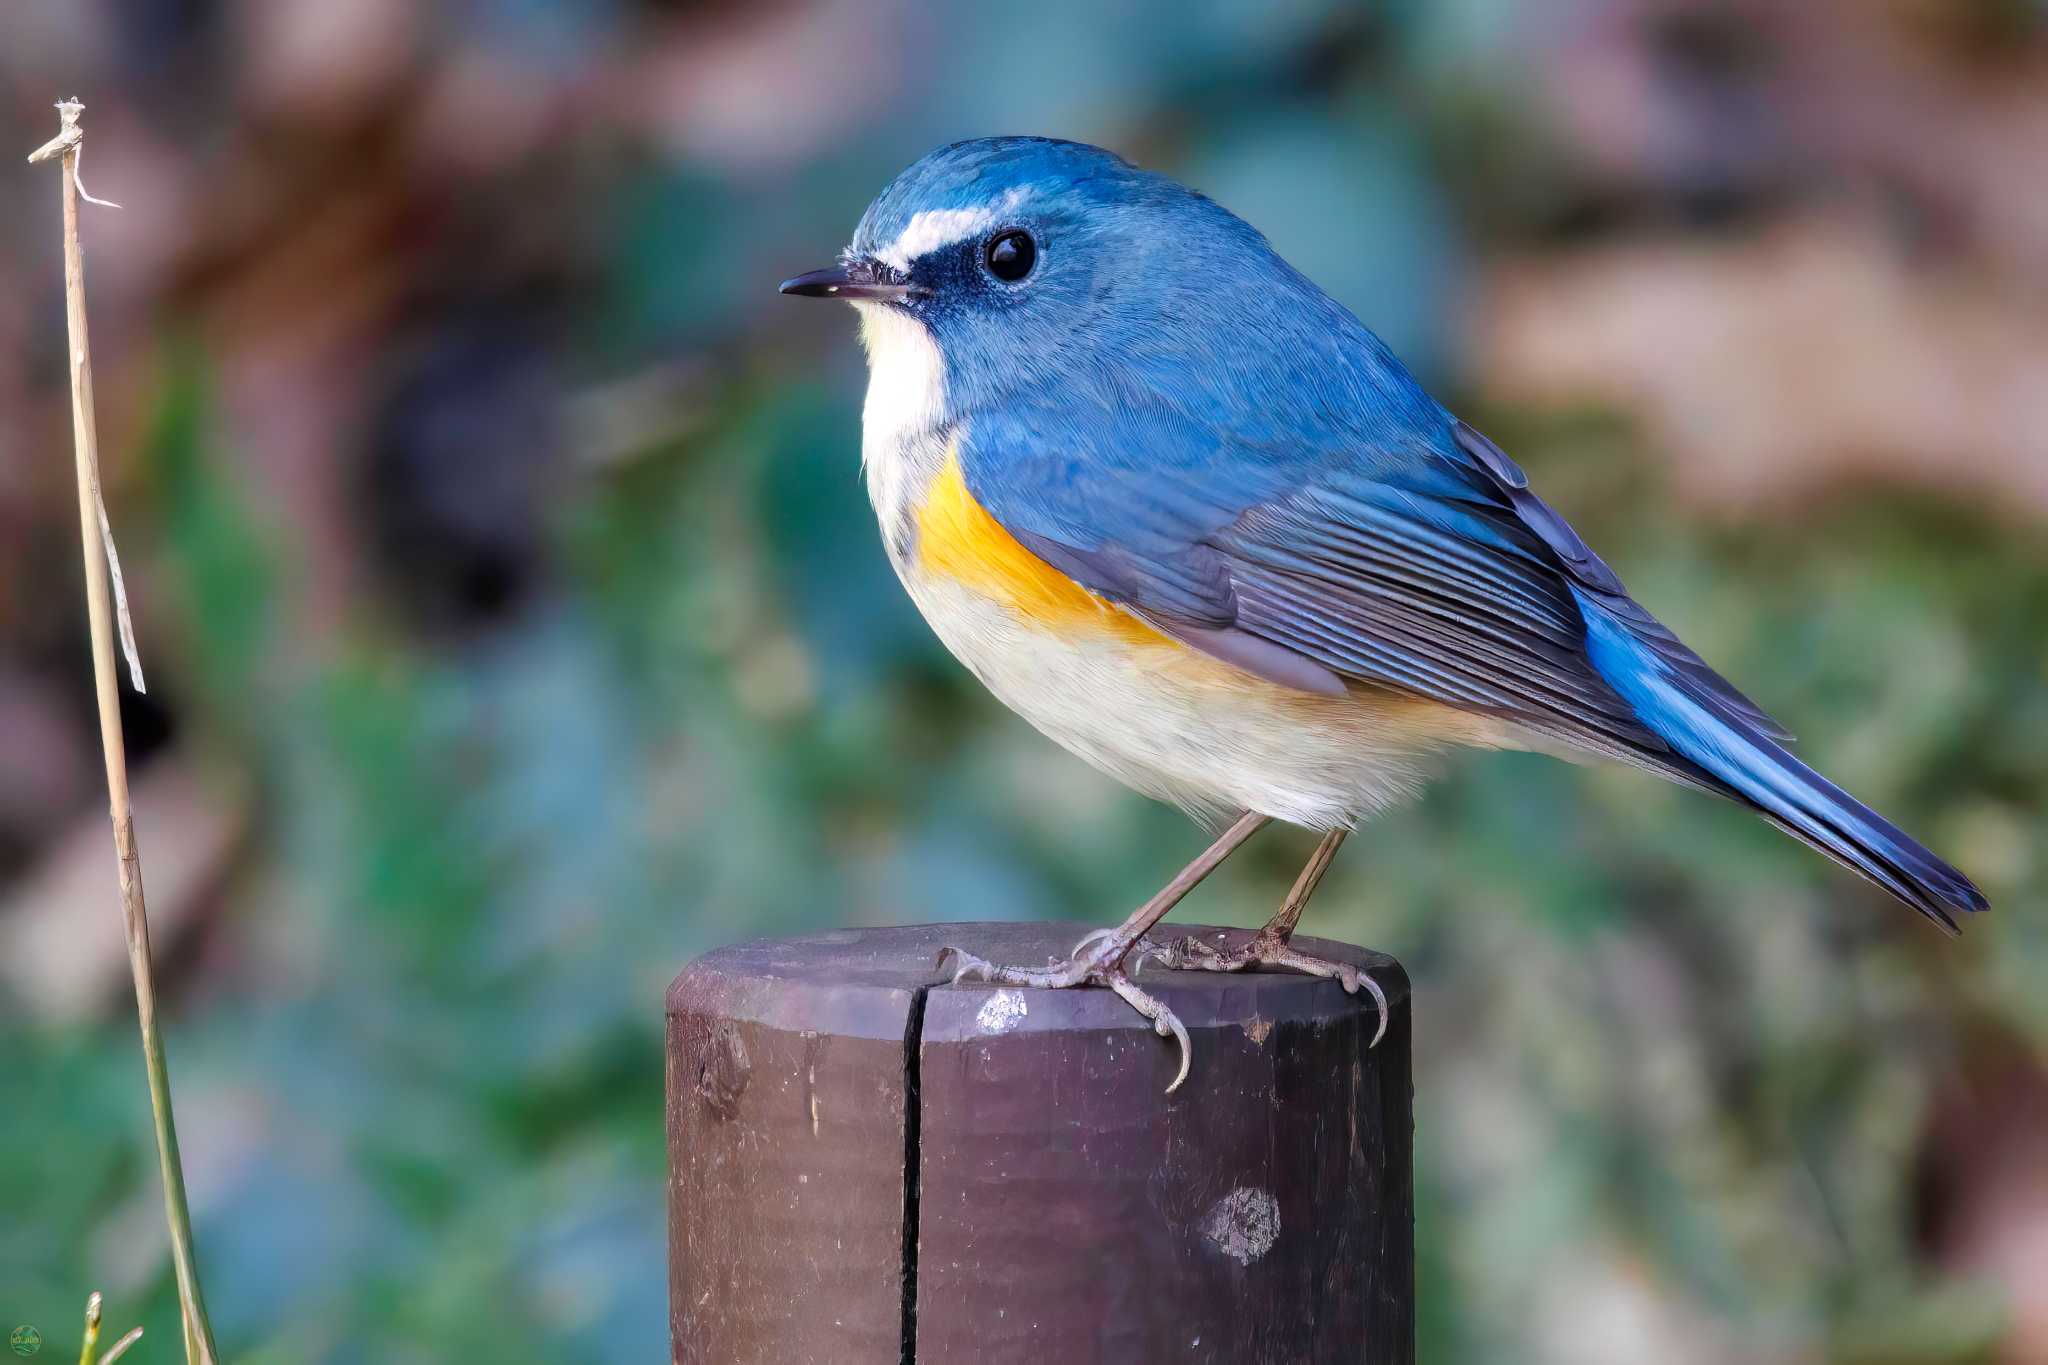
column 869, row 1166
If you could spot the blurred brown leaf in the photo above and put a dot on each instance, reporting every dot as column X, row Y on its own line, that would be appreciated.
column 61, row 946
column 1764, row 368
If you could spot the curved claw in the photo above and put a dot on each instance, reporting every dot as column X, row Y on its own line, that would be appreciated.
column 1187, row 1047
column 1092, row 936
column 1181, row 955
column 969, row 963
column 1139, row 948
column 1379, row 997
column 1147, row 952
column 1165, row 1022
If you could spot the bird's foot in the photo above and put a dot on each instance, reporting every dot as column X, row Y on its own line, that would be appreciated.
column 1192, row 954
column 1097, row 960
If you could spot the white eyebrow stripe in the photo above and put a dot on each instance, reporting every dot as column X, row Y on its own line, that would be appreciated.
column 930, row 229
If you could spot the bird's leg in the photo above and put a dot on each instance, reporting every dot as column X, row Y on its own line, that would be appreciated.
column 1273, row 945
column 1098, row 959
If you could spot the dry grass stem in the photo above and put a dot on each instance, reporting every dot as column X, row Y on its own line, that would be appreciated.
column 102, row 584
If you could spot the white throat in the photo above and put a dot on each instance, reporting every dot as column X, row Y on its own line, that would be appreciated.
column 902, row 423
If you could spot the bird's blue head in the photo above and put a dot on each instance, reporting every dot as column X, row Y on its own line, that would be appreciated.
column 1028, row 261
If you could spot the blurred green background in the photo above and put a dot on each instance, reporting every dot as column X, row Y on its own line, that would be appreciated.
column 517, row 629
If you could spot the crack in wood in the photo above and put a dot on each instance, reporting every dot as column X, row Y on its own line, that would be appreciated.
column 913, row 1166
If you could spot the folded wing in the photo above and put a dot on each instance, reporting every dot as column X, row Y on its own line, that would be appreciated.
column 1418, row 562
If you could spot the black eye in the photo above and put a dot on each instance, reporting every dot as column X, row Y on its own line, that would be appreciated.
column 1011, row 255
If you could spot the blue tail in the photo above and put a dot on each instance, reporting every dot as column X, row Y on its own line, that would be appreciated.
column 1728, row 745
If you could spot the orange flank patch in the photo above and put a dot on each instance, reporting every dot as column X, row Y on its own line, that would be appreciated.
column 957, row 539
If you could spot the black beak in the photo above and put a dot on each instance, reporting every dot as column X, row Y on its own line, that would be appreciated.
column 859, row 278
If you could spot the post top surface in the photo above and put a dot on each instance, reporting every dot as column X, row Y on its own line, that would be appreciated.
column 861, row 981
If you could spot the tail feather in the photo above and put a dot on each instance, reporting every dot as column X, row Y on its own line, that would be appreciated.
column 1698, row 715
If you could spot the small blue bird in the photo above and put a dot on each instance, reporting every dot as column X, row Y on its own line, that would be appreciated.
column 1181, row 511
